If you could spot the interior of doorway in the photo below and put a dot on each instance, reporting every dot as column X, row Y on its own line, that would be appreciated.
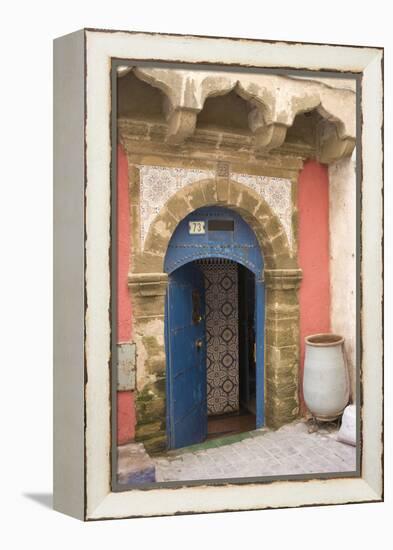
column 230, row 343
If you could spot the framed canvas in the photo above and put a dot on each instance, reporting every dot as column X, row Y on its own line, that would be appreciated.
column 218, row 274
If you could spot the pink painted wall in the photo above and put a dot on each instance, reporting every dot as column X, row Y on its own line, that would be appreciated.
column 314, row 294
column 125, row 399
column 125, row 417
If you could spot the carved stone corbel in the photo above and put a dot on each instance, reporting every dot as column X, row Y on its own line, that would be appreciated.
column 181, row 125
column 330, row 146
column 267, row 136
column 270, row 137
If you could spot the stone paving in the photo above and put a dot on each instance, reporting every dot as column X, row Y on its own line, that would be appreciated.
column 289, row 450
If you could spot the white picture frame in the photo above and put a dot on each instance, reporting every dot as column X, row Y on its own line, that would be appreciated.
column 82, row 417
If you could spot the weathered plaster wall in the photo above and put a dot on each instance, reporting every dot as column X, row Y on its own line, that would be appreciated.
column 342, row 222
column 125, row 399
column 313, row 247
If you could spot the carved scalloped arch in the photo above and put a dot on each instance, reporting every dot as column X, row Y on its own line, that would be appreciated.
column 276, row 100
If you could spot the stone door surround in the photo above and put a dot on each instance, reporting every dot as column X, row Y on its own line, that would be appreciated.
column 148, row 290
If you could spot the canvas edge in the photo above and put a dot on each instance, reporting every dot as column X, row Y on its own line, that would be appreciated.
column 69, row 276
column 372, row 272
column 103, row 504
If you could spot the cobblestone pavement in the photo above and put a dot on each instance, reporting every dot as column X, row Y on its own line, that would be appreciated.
column 289, row 450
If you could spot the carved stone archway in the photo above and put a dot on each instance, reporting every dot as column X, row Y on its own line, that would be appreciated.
column 148, row 289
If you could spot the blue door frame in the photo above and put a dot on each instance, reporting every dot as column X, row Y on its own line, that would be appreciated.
column 259, row 315
column 234, row 241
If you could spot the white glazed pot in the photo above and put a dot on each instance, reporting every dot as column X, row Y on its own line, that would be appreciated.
column 326, row 380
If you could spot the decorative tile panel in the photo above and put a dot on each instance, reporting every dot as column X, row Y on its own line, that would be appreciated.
column 222, row 336
column 276, row 192
column 159, row 183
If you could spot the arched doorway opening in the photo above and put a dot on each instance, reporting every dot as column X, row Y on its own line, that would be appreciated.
column 214, row 327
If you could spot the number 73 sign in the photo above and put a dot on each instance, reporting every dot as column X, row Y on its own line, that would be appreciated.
column 196, row 228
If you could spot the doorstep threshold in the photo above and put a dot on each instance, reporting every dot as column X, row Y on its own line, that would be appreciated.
column 217, row 442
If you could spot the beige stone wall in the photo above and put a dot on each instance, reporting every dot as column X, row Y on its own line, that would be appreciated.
column 342, row 222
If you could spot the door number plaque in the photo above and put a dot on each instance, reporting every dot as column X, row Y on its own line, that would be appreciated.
column 196, row 227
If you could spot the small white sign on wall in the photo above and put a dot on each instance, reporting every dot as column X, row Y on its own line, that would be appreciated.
column 196, row 228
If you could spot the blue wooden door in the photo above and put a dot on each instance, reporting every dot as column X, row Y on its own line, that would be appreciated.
column 187, row 405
